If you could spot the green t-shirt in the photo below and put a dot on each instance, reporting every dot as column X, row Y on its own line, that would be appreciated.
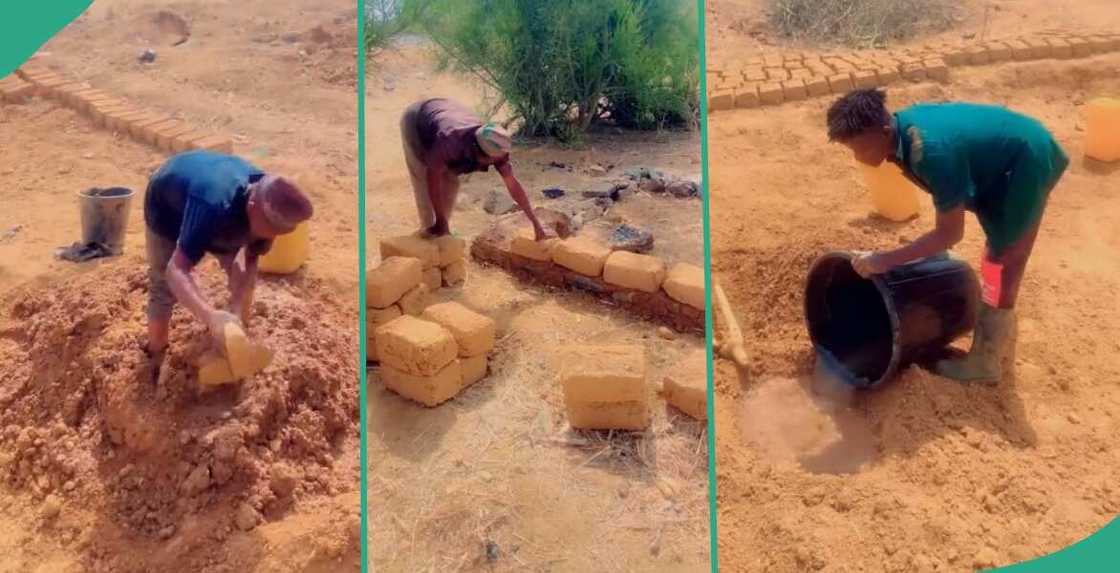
column 990, row 160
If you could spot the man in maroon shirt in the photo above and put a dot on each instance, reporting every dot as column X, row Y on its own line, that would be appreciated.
column 443, row 140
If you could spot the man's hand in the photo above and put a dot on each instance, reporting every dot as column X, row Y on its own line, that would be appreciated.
column 868, row 264
column 542, row 233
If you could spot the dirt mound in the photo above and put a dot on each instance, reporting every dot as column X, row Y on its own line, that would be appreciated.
column 87, row 422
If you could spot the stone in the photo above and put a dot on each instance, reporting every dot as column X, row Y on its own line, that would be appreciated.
column 682, row 188
column 473, row 369
column 431, row 390
column 609, row 416
column 414, row 246
column 581, row 255
column 415, row 300
column 685, row 283
column 474, row 333
column 595, row 373
column 553, row 192
column 414, row 346
column 246, row 517
column 686, row 385
column 387, row 282
column 147, row 56
column 628, row 238
column 455, row 274
column 634, row 271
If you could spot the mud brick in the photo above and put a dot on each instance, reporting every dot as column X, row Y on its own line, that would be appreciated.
column 840, row 83
column 773, row 60
column 415, row 346
column 770, row 94
column 955, row 56
column 63, row 93
column 218, row 143
column 862, row 80
column 777, row 74
column 473, row 332
column 387, row 282
column 84, row 99
column 817, row 86
column 581, row 255
column 433, row 277
column 794, row 90
column 685, row 284
column 1040, row 48
column 634, row 271
column 165, row 138
column 138, row 128
column 415, row 300
column 1107, row 42
column 150, row 133
column 721, row 99
column 800, row 74
column 754, row 74
column 755, row 61
column 454, row 274
column 117, row 121
column 428, row 390
column 1060, row 48
column 185, row 141
column 451, row 249
column 998, row 52
column 685, row 386
column 525, row 244
column 375, row 318
column 473, row 369
column 609, row 416
column 977, row 55
column 15, row 90
column 887, row 75
column 596, row 373
column 1020, row 51
column 937, row 70
column 1081, row 47
column 914, row 72
column 746, row 96
column 100, row 114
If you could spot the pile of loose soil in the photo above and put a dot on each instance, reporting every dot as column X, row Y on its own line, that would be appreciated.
column 88, row 421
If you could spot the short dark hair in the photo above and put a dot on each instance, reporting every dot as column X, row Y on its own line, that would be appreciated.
column 858, row 111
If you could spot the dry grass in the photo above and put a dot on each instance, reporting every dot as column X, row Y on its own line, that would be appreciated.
column 862, row 23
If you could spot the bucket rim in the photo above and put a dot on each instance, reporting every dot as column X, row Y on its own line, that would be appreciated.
column 892, row 314
column 85, row 193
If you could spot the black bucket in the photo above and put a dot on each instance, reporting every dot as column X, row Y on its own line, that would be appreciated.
column 869, row 329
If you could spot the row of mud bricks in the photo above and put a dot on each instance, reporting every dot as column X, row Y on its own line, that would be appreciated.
column 642, row 284
column 793, row 76
column 109, row 112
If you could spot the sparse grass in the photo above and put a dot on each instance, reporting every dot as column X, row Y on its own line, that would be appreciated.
column 861, row 23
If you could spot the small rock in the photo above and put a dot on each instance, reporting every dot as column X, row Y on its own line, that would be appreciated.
column 683, row 188
column 1073, row 419
column 147, row 56
column 247, row 516
column 283, row 480
column 596, row 194
column 553, row 192
column 52, row 506
column 498, row 203
column 557, row 165
column 167, row 532
column 597, row 169
column 985, row 558
column 655, row 186
column 666, row 333
column 198, row 481
column 492, row 551
column 627, row 238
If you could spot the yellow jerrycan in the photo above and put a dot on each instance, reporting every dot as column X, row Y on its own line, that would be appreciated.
column 893, row 196
column 288, row 252
column 1102, row 131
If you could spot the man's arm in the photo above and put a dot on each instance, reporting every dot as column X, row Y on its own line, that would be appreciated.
column 241, row 294
column 517, row 193
column 182, row 285
column 948, row 232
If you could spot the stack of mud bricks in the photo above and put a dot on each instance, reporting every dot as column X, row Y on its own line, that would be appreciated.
column 605, row 387
column 442, row 258
column 774, row 79
column 622, row 275
column 432, row 357
column 111, row 113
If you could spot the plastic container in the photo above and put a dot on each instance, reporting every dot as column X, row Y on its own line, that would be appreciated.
column 288, row 252
column 1102, row 131
column 868, row 329
column 104, row 215
column 893, row 196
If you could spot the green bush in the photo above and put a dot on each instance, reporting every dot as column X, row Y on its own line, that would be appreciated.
column 562, row 66
column 387, row 19
column 859, row 22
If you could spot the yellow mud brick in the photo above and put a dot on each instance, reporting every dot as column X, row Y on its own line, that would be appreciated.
column 864, row 79
column 1040, row 48
column 685, row 284
column 631, row 270
column 887, row 75
column 794, row 90
column 455, row 273
column 978, row 55
column 746, row 96
column 686, row 385
column 427, row 252
column 581, row 255
column 415, row 346
column 770, row 93
column 433, row 277
column 428, row 390
column 375, row 318
column 840, row 83
column 387, row 283
column 1080, row 47
column 817, row 86
column 525, row 244
column 1060, row 48
column 415, row 300
column 998, row 52
column 721, row 98
column 473, row 369
column 473, row 332
column 936, row 69
column 450, row 249
column 609, row 416
column 595, row 373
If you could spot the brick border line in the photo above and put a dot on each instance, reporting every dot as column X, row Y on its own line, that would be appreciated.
column 775, row 79
column 111, row 113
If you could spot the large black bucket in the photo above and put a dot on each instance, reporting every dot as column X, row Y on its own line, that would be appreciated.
column 869, row 329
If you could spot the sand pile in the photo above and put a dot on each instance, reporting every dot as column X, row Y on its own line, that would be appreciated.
column 85, row 422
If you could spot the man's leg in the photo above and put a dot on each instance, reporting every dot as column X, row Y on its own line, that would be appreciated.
column 160, row 299
column 417, row 171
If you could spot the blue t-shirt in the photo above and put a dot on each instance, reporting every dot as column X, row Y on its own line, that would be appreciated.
column 198, row 199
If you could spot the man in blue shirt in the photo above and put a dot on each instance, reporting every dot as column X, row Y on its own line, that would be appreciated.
column 202, row 202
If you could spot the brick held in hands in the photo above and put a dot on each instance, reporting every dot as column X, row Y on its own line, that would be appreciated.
column 387, row 283
column 685, row 386
column 525, row 244
column 609, row 415
column 454, row 274
column 473, row 369
column 428, row 390
column 594, row 373
column 685, row 284
column 415, row 346
column 474, row 333
column 634, row 271
column 581, row 255
column 427, row 252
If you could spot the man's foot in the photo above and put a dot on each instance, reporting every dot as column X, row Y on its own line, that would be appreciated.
column 992, row 342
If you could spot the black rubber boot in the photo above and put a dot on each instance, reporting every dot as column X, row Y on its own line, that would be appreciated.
column 992, row 343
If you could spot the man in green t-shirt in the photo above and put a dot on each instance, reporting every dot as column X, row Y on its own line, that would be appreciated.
column 999, row 164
